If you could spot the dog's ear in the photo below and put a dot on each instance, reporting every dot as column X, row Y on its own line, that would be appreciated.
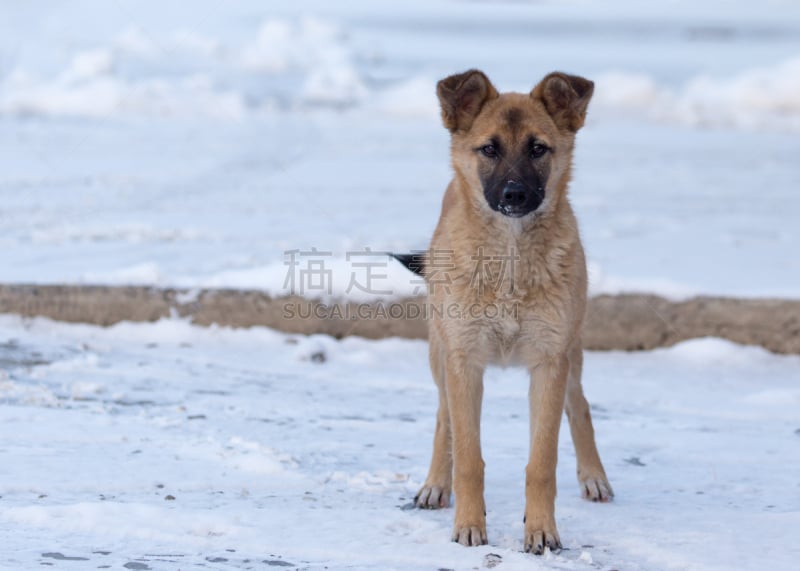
column 565, row 97
column 462, row 96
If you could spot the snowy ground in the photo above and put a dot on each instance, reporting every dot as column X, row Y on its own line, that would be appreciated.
column 144, row 143
column 167, row 446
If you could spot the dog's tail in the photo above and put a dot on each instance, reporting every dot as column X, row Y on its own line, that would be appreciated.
column 414, row 262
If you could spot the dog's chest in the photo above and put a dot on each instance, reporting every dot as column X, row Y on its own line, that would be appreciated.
column 506, row 333
column 517, row 340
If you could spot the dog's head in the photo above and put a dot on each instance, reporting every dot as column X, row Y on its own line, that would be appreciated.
column 515, row 149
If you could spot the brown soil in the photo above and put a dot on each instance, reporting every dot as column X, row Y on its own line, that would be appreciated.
column 621, row 322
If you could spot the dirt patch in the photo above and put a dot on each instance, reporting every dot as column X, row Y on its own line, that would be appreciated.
column 621, row 322
column 633, row 322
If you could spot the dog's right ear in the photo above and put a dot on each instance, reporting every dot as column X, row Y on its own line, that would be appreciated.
column 462, row 96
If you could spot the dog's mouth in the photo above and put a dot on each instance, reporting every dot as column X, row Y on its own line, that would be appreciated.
column 513, row 211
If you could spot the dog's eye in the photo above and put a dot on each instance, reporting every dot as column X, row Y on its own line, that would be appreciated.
column 489, row 151
column 538, row 150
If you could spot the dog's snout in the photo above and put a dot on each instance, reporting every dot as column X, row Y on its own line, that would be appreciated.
column 516, row 198
column 514, row 193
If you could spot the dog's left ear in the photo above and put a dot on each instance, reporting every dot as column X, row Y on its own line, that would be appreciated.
column 565, row 97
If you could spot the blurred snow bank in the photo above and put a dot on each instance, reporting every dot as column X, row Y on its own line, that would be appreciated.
column 92, row 87
column 294, row 64
column 760, row 98
column 412, row 98
column 314, row 47
column 766, row 98
column 306, row 62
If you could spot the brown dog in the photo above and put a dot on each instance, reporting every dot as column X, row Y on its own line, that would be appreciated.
column 507, row 275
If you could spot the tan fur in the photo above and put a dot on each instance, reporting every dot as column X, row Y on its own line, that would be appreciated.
column 548, row 287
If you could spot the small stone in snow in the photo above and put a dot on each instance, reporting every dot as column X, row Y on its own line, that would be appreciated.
column 62, row 557
column 169, row 497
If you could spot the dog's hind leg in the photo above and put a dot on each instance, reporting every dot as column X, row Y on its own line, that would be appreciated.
column 438, row 485
column 591, row 475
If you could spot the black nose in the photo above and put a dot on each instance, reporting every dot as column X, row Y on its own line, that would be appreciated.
column 514, row 194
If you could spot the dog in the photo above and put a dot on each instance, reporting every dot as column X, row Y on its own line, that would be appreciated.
column 507, row 239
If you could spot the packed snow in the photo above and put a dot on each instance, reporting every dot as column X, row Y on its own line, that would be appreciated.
column 169, row 446
column 162, row 145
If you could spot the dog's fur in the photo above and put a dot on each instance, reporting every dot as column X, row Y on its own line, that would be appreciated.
column 547, row 288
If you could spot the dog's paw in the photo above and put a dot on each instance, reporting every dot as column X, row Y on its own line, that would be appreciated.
column 537, row 539
column 470, row 535
column 596, row 489
column 432, row 497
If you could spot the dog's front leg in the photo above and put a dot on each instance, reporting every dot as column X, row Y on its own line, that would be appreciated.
column 464, row 380
column 548, row 387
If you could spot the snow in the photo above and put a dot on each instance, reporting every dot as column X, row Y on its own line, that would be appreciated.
column 271, row 455
column 763, row 98
column 164, row 146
